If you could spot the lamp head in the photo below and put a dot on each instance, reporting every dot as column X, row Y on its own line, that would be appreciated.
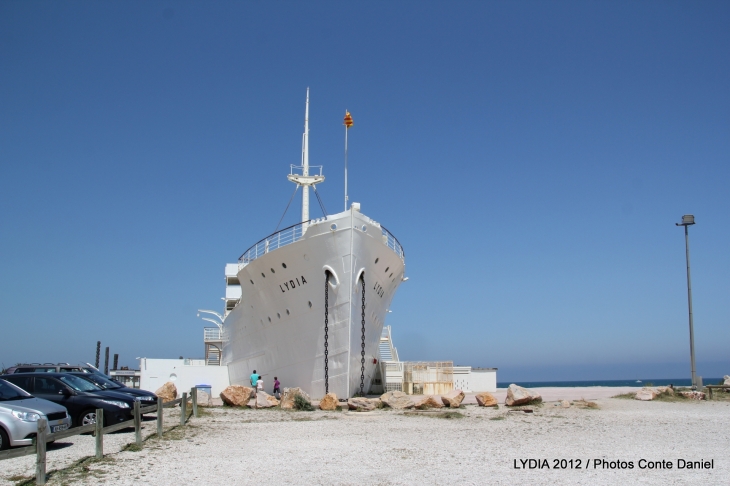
column 687, row 220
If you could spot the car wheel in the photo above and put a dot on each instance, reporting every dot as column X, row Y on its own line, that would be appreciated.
column 87, row 417
column 4, row 440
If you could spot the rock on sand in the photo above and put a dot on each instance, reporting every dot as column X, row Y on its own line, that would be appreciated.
column 428, row 402
column 264, row 400
column 236, row 395
column 485, row 399
column 453, row 399
column 287, row 397
column 329, row 402
column 516, row 395
column 396, row 399
column 168, row 392
column 362, row 404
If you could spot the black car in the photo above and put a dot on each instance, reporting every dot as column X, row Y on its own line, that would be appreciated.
column 52, row 368
column 143, row 396
column 80, row 397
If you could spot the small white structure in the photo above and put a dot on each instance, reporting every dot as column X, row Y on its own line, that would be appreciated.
column 183, row 373
column 474, row 380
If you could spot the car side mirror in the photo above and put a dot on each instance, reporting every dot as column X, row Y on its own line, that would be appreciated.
column 65, row 392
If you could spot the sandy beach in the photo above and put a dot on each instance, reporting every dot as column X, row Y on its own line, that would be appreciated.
column 237, row 446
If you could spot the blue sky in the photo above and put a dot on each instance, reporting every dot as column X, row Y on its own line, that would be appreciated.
column 532, row 158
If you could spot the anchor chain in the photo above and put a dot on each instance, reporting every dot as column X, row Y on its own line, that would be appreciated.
column 326, row 330
column 362, row 351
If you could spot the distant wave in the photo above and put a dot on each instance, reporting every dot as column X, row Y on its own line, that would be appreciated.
column 644, row 382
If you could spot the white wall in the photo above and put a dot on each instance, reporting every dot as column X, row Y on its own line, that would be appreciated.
column 483, row 380
column 157, row 372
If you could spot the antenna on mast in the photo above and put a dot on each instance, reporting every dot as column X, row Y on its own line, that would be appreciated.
column 304, row 179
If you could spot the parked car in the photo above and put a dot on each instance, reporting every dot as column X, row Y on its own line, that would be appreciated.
column 79, row 396
column 143, row 396
column 52, row 368
column 19, row 415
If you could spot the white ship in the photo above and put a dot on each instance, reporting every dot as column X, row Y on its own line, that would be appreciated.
column 313, row 298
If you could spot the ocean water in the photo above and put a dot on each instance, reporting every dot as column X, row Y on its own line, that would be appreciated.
column 642, row 382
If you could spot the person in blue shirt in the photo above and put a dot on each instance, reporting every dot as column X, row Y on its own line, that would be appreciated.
column 254, row 379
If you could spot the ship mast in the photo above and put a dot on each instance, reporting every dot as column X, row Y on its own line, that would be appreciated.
column 304, row 179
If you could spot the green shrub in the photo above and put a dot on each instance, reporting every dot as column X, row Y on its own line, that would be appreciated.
column 301, row 404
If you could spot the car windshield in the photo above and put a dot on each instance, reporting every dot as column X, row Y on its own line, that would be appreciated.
column 9, row 392
column 101, row 381
column 79, row 384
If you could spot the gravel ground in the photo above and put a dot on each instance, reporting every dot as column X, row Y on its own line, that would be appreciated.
column 233, row 446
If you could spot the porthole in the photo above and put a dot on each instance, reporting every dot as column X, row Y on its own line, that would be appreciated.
column 333, row 226
column 386, row 269
column 283, row 265
column 364, row 228
column 262, row 274
column 377, row 260
column 261, row 321
column 278, row 315
column 390, row 276
column 251, row 282
column 310, row 304
column 269, row 318
column 287, row 312
column 272, row 271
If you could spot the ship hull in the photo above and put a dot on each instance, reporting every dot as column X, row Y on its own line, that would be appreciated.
column 278, row 327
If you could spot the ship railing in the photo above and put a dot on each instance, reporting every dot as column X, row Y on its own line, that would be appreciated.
column 311, row 170
column 393, row 243
column 276, row 240
column 211, row 334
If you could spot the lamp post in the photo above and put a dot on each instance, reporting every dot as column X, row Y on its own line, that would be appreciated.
column 688, row 220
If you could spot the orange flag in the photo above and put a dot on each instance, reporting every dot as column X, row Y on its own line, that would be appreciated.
column 348, row 119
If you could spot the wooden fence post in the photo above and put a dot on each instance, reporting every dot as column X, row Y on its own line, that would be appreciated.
column 40, row 444
column 183, row 408
column 99, row 433
column 160, row 413
column 194, row 393
column 137, row 424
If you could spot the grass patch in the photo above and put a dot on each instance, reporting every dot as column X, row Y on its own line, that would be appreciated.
column 586, row 404
column 133, row 447
column 449, row 415
column 301, row 404
column 625, row 396
column 501, row 417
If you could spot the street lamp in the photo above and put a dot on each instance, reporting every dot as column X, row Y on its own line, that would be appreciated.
column 688, row 220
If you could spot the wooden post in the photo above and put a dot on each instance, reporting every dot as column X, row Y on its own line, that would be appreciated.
column 40, row 459
column 99, row 433
column 183, row 408
column 137, row 424
column 160, row 413
column 194, row 393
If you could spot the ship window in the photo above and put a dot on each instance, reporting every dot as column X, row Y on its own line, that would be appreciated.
column 310, row 304
column 269, row 318
column 272, row 271
column 364, row 228
column 376, row 260
column 386, row 269
column 287, row 312
column 389, row 276
column 283, row 265
column 278, row 315
column 251, row 282
column 261, row 321
column 262, row 274
column 333, row 226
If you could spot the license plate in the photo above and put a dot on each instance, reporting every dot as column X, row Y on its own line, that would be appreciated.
column 59, row 428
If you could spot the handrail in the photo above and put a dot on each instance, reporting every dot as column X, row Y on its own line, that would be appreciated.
column 272, row 242
column 395, row 245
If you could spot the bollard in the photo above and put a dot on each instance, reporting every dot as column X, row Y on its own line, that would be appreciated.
column 137, row 424
column 159, row 417
column 194, row 393
column 183, row 408
column 40, row 444
column 99, row 433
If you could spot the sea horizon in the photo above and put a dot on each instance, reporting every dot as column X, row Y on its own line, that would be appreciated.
column 614, row 383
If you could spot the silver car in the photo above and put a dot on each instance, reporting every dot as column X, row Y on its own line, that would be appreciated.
column 19, row 415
